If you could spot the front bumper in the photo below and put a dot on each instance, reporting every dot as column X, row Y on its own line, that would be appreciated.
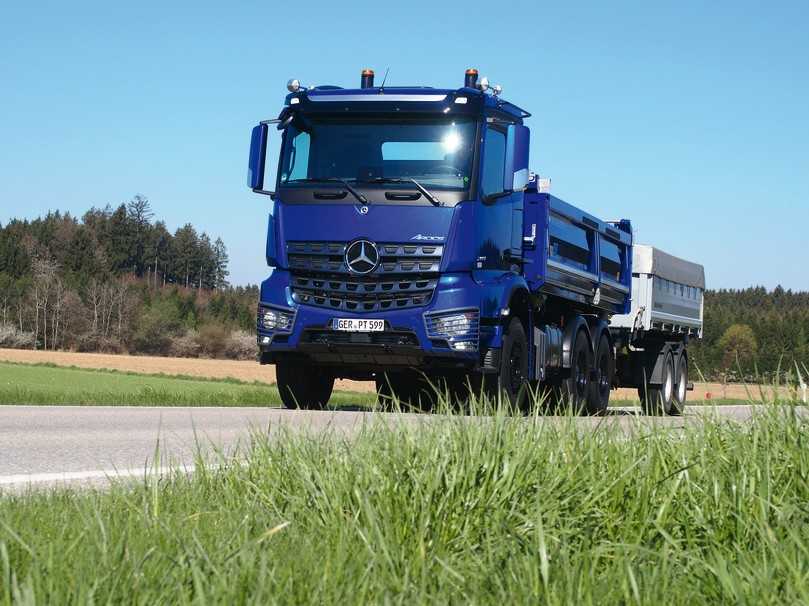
column 405, row 341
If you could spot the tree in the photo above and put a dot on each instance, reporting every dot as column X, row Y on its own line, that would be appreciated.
column 738, row 345
column 185, row 248
column 140, row 214
column 221, row 261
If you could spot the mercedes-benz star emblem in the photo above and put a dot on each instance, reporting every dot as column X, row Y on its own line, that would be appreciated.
column 362, row 256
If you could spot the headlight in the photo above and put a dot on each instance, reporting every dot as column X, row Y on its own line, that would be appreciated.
column 277, row 320
column 459, row 328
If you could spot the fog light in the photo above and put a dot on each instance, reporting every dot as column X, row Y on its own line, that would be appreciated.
column 452, row 326
column 460, row 329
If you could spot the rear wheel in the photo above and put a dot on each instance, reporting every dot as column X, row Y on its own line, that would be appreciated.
column 599, row 397
column 575, row 387
column 303, row 386
column 681, row 386
column 657, row 399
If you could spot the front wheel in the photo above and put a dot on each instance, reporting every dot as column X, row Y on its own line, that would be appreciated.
column 303, row 386
column 410, row 389
column 513, row 372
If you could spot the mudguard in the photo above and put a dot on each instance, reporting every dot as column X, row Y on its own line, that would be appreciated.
column 497, row 293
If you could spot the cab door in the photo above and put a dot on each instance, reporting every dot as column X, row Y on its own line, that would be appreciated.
column 495, row 219
column 503, row 174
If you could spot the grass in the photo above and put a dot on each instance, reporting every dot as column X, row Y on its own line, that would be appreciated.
column 48, row 384
column 499, row 510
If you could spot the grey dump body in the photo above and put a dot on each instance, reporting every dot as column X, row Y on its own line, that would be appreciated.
column 667, row 294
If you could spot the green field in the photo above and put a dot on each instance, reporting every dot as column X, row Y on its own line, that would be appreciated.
column 43, row 384
column 500, row 511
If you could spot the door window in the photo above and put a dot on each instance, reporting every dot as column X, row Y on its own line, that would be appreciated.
column 494, row 162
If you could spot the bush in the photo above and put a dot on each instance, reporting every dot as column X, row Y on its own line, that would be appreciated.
column 12, row 337
column 241, row 346
column 158, row 324
column 212, row 340
column 185, row 346
column 98, row 344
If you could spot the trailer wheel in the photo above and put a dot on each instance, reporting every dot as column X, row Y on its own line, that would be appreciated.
column 303, row 386
column 575, row 387
column 599, row 397
column 513, row 375
column 657, row 399
column 681, row 386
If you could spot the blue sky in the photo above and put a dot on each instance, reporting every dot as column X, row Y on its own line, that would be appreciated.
column 690, row 118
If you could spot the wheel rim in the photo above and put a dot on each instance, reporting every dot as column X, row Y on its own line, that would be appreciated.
column 668, row 385
column 682, row 383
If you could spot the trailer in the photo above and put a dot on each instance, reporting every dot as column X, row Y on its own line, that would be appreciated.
column 666, row 312
column 411, row 245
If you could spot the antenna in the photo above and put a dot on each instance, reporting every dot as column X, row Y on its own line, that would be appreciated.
column 382, row 87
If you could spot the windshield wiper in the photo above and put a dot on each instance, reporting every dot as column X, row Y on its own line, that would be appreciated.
column 362, row 199
column 431, row 197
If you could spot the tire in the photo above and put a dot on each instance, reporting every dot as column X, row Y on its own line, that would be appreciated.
column 574, row 389
column 680, row 386
column 303, row 386
column 513, row 373
column 409, row 389
column 657, row 399
column 599, row 397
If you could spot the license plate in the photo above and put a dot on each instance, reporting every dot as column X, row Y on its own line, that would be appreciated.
column 358, row 325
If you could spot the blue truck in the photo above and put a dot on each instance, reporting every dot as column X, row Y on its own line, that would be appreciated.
column 411, row 245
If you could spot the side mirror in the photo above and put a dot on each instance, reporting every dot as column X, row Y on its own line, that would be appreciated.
column 258, row 156
column 515, row 176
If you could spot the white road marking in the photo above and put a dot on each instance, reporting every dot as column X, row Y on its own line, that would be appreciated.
column 92, row 474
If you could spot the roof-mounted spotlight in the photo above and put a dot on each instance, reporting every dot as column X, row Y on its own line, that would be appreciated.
column 367, row 78
column 294, row 85
column 497, row 89
column 483, row 84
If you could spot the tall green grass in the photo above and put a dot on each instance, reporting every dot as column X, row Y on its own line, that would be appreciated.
column 496, row 509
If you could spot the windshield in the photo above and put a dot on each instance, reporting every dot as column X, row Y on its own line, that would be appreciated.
column 437, row 153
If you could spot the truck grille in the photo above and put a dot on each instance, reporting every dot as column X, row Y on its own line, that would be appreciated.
column 406, row 276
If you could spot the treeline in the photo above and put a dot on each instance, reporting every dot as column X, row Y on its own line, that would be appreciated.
column 115, row 280
column 753, row 334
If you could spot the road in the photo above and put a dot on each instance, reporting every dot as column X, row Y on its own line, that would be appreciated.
column 53, row 445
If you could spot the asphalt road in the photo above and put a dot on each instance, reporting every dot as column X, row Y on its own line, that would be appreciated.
column 54, row 445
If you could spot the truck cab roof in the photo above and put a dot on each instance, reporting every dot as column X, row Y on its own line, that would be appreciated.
column 417, row 99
